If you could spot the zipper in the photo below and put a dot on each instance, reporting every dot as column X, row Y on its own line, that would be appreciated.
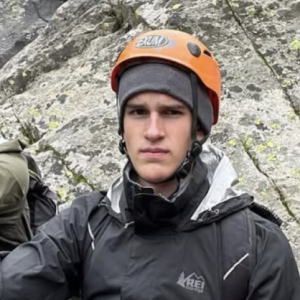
column 266, row 213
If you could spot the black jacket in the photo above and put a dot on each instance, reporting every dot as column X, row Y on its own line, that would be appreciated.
column 137, row 245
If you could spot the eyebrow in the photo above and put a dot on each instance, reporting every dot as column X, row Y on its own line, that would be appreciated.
column 173, row 106
column 134, row 105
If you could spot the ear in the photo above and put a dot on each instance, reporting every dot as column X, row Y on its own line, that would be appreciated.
column 199, row 135
column 123, row 136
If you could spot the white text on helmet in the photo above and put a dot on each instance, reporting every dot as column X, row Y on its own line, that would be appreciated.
column 152, row 41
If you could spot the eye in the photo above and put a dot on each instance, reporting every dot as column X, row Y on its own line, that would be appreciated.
column 172, row 112
column 138, row 112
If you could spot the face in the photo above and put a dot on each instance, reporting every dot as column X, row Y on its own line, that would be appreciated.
column 157, row 132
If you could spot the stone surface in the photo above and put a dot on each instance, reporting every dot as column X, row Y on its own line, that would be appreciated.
column 20, row 23
column 56, row 93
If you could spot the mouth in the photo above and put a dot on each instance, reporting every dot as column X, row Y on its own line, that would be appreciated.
column 154, row 152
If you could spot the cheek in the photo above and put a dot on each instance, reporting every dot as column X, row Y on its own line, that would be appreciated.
column 127, row 128
column 130, row 136
column 181, row 140
column 183, row 132
column 127, row 138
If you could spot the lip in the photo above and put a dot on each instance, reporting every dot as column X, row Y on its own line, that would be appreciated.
column 154, row 152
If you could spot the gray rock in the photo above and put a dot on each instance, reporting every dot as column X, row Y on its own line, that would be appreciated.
column 21, row 22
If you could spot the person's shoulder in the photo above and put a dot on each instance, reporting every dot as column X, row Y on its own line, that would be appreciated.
column 266, row 220
column 82, row 206
column 269, row 236
column 83, row 203
column 263, row 224
column 77, row 213
column 88, row 199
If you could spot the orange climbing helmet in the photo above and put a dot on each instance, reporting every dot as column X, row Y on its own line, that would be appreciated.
column 178, row 48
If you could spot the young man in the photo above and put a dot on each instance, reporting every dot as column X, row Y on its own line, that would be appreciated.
column 172, row 226
column 14, row 185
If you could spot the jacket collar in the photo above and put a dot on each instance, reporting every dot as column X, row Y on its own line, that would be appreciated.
column 221, row 176
column 151, row 211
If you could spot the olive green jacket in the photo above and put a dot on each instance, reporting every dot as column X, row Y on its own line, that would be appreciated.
column 14, row 184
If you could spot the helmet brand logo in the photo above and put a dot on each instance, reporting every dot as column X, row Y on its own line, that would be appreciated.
column 152, row 41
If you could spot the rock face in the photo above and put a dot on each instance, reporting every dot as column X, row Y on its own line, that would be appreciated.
column 55, row 92
column 21, row 22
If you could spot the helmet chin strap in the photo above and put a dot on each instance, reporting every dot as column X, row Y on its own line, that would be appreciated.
column 196, row 146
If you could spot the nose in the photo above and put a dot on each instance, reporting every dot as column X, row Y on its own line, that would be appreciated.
column 154, row 127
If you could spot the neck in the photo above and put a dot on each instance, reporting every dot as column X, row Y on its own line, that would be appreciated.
column 165, row 188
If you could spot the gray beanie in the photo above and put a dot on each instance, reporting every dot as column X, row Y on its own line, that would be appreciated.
column 167, row 79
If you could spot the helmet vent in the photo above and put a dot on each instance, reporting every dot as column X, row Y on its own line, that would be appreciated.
column 207, row 53
column 194, row 49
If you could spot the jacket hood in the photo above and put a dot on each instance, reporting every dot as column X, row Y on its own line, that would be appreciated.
column 222, row 179
column 221, row 176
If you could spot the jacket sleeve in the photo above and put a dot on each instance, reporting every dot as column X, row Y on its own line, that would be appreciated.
column 46, row 267
column 275, row 275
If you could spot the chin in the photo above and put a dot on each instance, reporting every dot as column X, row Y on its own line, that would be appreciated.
column 155, row 175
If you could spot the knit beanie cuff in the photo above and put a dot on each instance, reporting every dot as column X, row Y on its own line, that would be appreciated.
column 167, row 79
